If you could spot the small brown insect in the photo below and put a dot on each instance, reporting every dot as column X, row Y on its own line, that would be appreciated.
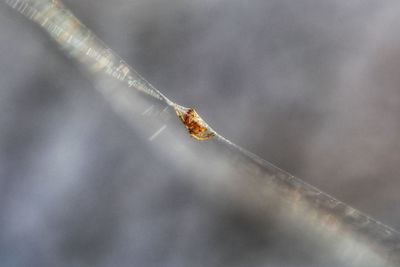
column 195, row 125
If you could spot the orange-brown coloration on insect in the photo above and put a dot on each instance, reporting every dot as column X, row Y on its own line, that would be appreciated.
column 194, row 124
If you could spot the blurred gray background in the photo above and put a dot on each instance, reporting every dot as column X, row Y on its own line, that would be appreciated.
column 312, row 86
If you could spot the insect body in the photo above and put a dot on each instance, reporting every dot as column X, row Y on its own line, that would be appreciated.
column 195, row 125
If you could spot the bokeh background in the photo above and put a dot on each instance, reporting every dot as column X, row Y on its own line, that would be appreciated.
column 309, row 85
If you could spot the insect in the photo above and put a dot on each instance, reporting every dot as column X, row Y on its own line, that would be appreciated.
column 195, row 125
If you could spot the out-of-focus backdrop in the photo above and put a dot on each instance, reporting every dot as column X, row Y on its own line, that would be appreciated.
column 312, row 86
